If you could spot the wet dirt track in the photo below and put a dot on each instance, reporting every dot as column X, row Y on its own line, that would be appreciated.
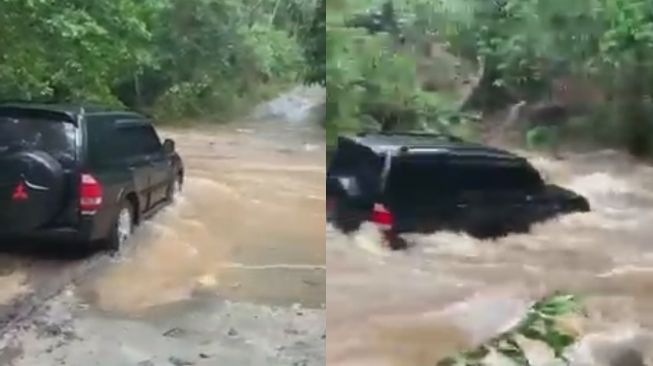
column 450, row 291
column 249, row 226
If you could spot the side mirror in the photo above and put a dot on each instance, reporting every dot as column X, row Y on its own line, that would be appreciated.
column 169, row 146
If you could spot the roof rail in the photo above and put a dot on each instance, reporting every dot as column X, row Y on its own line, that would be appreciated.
column 424, row 134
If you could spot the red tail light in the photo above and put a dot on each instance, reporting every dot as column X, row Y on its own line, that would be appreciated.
column 90, row 195
column 382, row 217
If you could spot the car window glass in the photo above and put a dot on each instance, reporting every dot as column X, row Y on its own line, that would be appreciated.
column 138, row 140
column 419, row 179
column 102, row 137
column 57, row 138
column 151, row 141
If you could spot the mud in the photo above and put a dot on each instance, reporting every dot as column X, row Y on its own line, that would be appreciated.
column 450, row 291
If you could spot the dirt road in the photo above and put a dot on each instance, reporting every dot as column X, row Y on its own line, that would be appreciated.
column 450, row 291
column 233, row 273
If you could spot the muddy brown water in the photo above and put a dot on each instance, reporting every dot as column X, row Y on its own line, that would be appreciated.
column 450, row 292
column 248, row 226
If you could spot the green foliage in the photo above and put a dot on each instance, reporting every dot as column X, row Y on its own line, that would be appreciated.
column 315, row 45
column 541, row 323
column 52, row 48
column 171, row 57
column 372, row 77
column 375, row 64
column 542, row 137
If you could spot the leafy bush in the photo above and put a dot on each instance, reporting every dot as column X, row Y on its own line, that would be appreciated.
column 545, row 322
column 173, row 57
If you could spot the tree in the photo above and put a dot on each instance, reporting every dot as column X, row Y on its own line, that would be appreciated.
column 171, row 57
column 315, row 45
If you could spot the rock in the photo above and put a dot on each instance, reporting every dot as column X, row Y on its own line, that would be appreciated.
column 301, row 344
column 204, row 355
column 69, row 335
column 52, row 330
column 286, row 151
column 179, row 362
column 232, row 332
column 174, row 333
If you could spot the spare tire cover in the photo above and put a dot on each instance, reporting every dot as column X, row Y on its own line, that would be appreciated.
column 31, row 190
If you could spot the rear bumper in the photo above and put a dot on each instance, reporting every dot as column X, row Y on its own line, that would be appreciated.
column 82, row 233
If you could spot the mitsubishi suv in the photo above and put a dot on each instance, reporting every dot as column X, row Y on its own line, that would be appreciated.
column 422, row 183
column 82, row 175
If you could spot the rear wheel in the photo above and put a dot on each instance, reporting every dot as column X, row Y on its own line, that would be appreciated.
column 345, row 217
column 122, row 229
column 395, row 242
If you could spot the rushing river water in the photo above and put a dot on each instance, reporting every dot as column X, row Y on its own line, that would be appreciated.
column 450, row 291
column 249, row 225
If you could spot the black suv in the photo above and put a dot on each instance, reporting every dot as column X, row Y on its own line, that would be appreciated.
column 85, row 175
column 424, row 183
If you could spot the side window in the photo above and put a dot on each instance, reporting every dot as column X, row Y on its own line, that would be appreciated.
column 101, row 142
column 151, row 142
column 109, row 142
column 488, row 177
column 138, row 140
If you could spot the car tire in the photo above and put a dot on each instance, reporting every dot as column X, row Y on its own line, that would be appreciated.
column 121, row 229
column 346, row 218
column 395, row 241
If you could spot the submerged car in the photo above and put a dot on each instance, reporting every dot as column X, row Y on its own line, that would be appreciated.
column 422, row 183
column 81, row 175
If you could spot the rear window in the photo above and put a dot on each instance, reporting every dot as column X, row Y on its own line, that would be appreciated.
column 54, row 137
column 421, row 178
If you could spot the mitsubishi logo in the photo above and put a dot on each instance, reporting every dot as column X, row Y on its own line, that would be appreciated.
column 20, row 193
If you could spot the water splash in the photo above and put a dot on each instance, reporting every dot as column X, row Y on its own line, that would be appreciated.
column 605, row 255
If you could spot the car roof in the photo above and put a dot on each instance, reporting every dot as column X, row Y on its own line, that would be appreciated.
column 431, row 144
column 70, row 111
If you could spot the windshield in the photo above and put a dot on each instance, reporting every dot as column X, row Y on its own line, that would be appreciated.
column 54, row 137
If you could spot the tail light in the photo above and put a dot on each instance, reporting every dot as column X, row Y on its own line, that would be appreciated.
column 382, row 217
column 90, row 195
